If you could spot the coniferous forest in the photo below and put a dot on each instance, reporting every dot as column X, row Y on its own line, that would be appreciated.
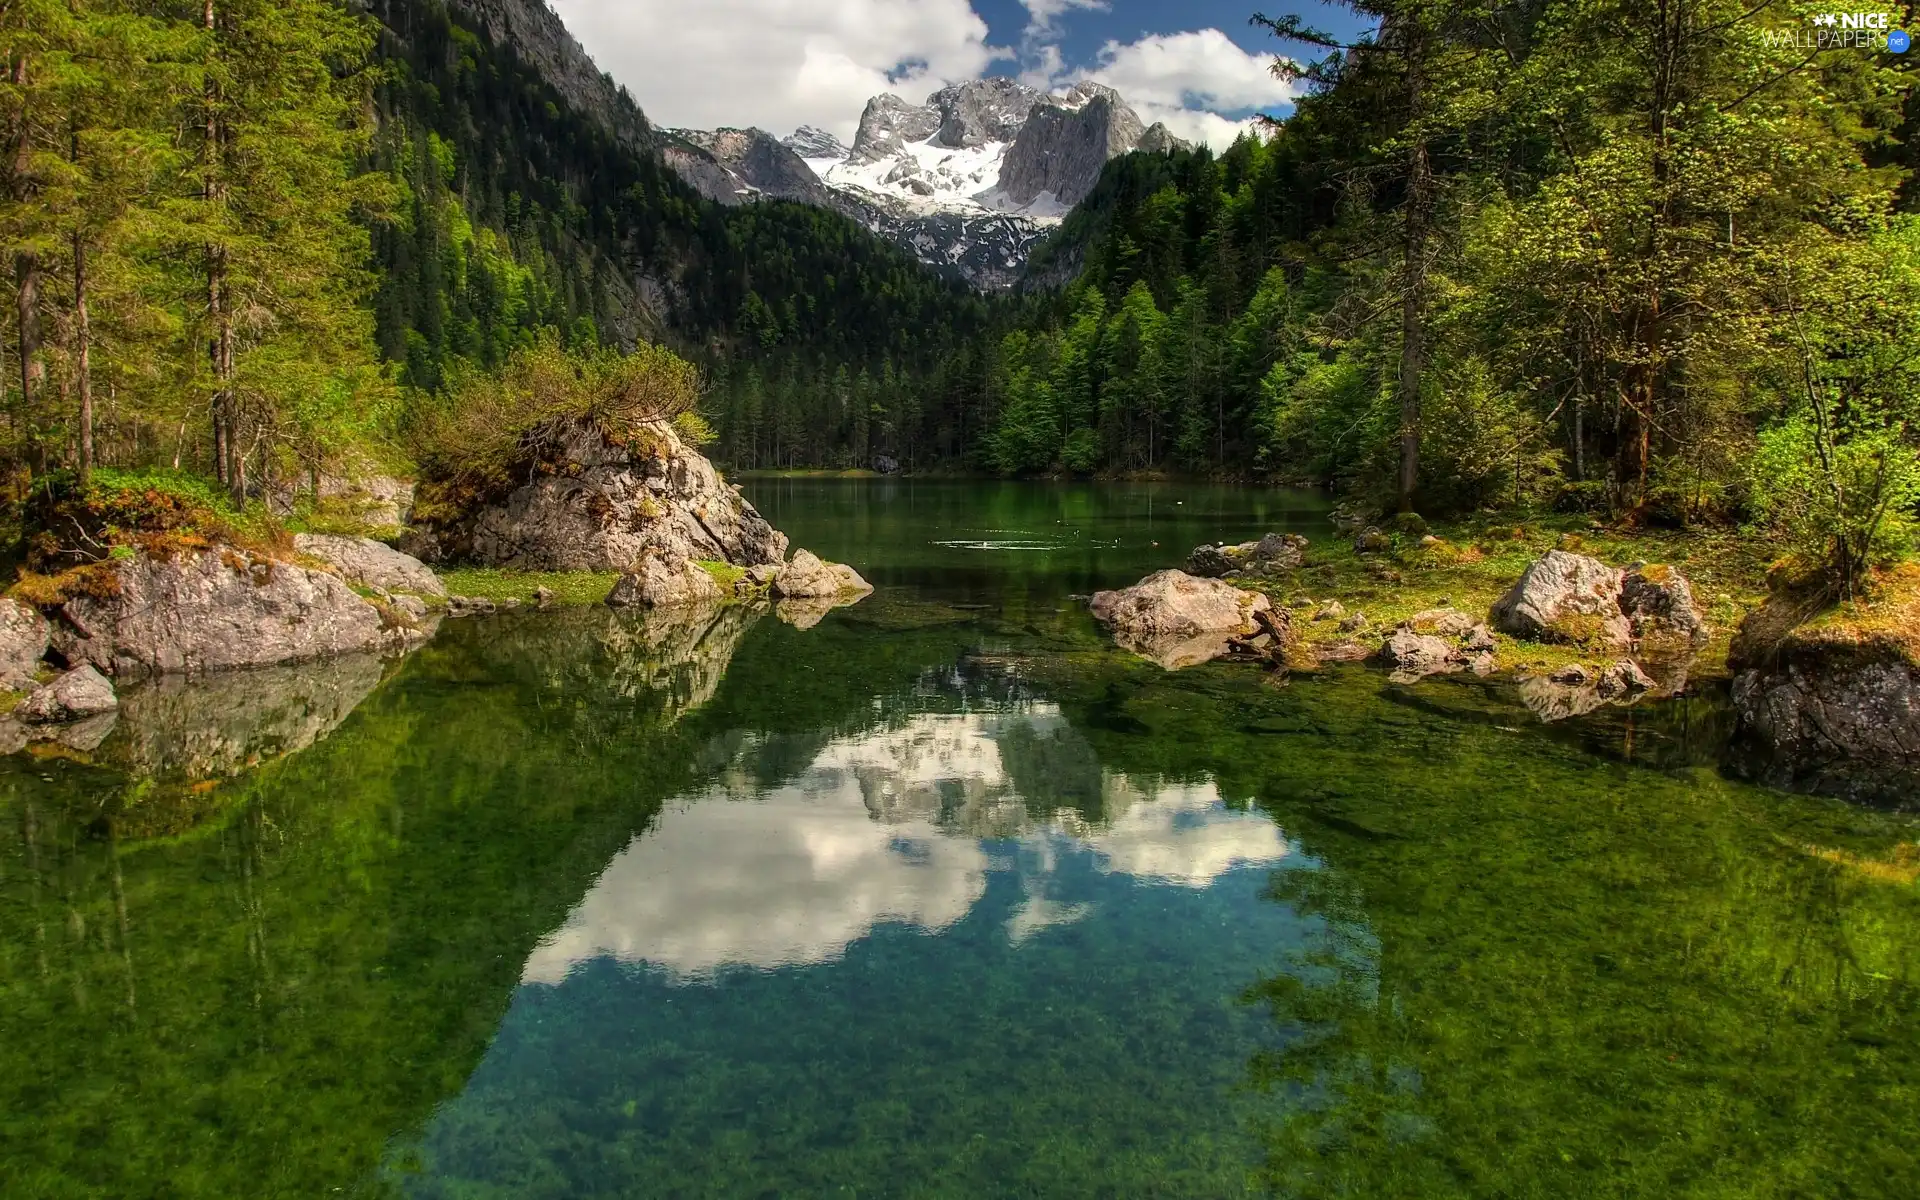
column 1603, row 255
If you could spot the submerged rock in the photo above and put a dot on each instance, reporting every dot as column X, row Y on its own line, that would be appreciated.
column 23, row 644
column 371, row 564
column 213, row 609
column 601, row 506
column 1176, row 619
column 81, row 692
column 1565, row 597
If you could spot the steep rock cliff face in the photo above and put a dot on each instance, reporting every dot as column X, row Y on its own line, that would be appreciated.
column 1064, row 144
column 888, row 124
column 734, row 166
column 537, row 36
column 600, row 506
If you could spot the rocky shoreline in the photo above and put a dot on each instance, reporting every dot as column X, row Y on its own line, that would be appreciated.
column 156, row 607
column 1834, row 713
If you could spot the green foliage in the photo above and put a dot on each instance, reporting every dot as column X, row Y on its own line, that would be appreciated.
column 1839, row 501
column 480, row 436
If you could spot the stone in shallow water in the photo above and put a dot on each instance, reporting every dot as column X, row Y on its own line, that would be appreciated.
column 808, row 577
column 81, row 692
column 1176, row 619
column 213, row 609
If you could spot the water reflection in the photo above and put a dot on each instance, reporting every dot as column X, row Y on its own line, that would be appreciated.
column 898, row 825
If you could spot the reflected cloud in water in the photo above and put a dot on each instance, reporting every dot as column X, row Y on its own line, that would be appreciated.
column 901, row 825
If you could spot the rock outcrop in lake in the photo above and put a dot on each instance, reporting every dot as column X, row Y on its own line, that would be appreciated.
column 807, row 577
column 660, row 581
column 214, row 609
column 1178, row 620
column 595, row 505
column 1831, row 705
column 372, row 564
column 1571, row 598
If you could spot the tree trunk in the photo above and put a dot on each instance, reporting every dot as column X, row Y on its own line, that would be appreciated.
column 26, row 264
column 82, row 347
column 1413, row 300
column 26, row 268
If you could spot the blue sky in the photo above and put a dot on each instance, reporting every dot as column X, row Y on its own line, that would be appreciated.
column 1195, row 64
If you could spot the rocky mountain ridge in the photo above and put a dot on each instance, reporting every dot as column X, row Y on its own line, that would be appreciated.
column 535, row 34
column 967, row 181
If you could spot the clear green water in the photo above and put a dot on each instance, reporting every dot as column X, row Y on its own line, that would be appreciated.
column 940, row 897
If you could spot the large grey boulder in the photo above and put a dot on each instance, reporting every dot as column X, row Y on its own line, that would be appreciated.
column 601, row 506
column 808, row 577
column 660, row 581
column 1178, row 620
column 23, row 644
column 214, row 609
column 371, row 564
column 1658, row 602
column 1565, row 597
column 81, row 692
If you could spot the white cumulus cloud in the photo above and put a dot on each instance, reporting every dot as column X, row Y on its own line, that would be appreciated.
column 1188, row 79
column 1043, row 16
column 778, row 63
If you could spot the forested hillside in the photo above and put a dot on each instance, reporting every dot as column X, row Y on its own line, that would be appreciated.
column 1588, row 252
column 254, row 237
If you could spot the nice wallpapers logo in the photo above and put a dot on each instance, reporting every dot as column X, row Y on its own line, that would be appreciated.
column 1838, row 31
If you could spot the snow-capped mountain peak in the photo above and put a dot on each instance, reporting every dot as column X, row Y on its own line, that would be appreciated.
column 990, row 146
column 967, row 181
